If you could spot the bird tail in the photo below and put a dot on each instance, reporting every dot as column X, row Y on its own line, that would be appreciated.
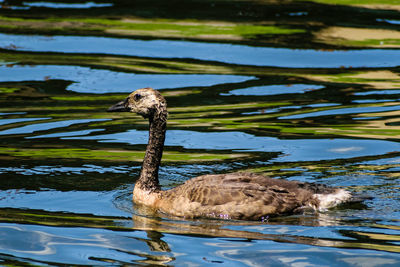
column 333, row 199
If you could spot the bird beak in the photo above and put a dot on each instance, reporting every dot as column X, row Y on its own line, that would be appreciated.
column 121, row 106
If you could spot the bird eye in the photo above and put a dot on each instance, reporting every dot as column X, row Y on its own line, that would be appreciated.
column 136, row 97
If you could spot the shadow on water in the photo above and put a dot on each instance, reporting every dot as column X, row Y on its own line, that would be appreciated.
column 297, row 90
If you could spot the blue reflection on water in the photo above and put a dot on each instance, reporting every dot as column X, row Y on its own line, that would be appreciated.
column 227, row 53
column 72, row 245
column 66, row 134
column 60, row 170
column 86, row 246
column 67, row 5
column 97, row 81
column 379, row 92
column 10, row 121
column 276, row 89
column 90, row 202
column 390, row 21
column 294, row 150
column 357, row 110
column 46, row 126
column 11, row 113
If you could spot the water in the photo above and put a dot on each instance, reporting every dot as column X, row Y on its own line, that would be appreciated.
column 275, row 89
column 279, row 104
column 87, row 80
column 226, row 53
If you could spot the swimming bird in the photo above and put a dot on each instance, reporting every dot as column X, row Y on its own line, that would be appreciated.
column 242, row 196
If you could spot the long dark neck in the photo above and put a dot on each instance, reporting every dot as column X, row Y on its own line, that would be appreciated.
column 148, row 179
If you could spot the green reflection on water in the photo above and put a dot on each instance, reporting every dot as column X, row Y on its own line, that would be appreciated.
column 112, row 155
column 145, row 27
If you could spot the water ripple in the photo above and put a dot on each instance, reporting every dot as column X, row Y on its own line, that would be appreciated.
column 293, row 150
column 46, row 126
column 227, row 53
column 88, row 80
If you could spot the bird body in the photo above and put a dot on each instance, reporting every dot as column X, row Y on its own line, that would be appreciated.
column 244, row 196
column 240, row 196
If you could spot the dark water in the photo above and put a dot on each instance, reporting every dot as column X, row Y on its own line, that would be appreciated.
column 277, row 102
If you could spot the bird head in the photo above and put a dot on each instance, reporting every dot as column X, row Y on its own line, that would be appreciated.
column 146, row 102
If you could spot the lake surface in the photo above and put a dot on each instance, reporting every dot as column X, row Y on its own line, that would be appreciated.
column 268, row 90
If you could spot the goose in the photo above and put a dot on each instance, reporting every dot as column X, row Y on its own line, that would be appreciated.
column 235, row 196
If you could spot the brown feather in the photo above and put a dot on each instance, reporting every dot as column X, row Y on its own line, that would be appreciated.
column 235, row 196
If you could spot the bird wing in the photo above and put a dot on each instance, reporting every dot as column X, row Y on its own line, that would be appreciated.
column 238, row 196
